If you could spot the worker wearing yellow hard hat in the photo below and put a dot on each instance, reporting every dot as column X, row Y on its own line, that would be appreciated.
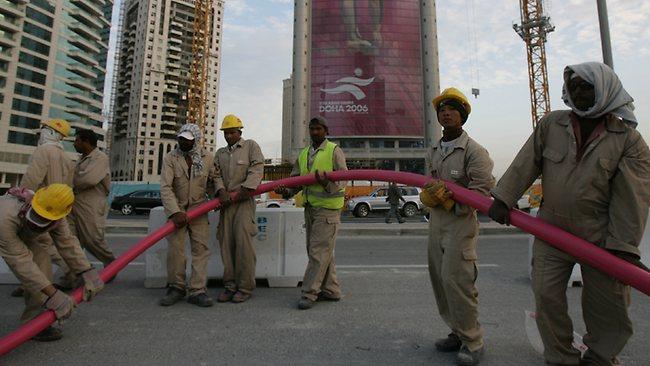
column 24, row 217
column 454, row 227
column 241, row 164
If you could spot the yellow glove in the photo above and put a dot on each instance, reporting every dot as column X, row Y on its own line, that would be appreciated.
column 436, row 193
column 427, row 199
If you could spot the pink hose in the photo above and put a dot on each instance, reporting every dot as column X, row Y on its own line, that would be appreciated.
column 586, row 252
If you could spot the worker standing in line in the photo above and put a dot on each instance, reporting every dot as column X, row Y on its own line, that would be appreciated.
column 453, row 227
column 24, row 217
column 595, row 169
column 393, row 198
column 50, row 164
column 242, row 166
column 92, row 183
column 323, row 202
column 187, row 180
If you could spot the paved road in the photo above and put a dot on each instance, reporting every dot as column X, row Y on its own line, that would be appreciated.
column 387, row 317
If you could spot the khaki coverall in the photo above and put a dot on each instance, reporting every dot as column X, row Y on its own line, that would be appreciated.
column 602, row 197
column 28, row 260
column 322, row 224
column 49, row 164
column 452, row 238
column 181, row 191
column 240, row 166
column 92, row 183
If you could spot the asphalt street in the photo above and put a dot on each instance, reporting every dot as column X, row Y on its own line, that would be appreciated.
column 387, row 316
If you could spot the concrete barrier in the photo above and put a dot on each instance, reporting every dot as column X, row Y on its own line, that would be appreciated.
column 279, row 247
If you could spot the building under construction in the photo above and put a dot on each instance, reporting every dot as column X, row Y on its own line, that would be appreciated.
column 153, row 77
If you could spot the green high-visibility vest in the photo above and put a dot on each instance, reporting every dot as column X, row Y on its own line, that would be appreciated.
column 315, row 194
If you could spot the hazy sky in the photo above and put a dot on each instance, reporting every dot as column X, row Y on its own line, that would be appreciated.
column 257, row 47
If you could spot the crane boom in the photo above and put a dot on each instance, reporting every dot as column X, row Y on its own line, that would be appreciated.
column 197, row 89
column 534, row 28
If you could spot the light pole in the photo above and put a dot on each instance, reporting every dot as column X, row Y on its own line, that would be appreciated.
column 604, row 33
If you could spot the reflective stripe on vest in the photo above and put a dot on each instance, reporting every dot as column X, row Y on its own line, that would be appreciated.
column 315, row 194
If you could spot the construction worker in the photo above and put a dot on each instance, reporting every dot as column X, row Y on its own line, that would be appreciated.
column 24, row 217
column 50, row 164
column 187, row 180
column 453, row 227
column 393, row 198
column 242, row 168
column 92, row 183
column 323, row 202
column 595, row 171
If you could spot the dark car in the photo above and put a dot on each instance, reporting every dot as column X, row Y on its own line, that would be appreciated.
column 137, row 201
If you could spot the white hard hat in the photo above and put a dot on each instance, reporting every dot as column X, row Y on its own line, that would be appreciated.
column 186, row 135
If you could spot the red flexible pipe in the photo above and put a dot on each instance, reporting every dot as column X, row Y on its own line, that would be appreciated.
column 571, row 244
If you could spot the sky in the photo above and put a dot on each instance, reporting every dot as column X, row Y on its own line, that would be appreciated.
column 257, row 49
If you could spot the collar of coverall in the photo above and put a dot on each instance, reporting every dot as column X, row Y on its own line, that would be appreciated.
column 612, row 123
column 320, row 147
column 461, row 141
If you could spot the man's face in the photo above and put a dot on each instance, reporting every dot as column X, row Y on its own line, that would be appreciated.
column 582, row 93
column 449, row 117
column 184, row 144
column 79, row 145
column 232, row 135
column 317, row 132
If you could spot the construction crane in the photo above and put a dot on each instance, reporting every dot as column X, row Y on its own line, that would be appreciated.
column 535, row 26
column 197, row 88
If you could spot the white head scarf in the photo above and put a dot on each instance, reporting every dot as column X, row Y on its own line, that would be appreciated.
column 611, row 98
column 49, row 136
column 195, row 153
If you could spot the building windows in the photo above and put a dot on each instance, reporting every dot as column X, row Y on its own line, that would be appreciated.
column 35, row 46
column 29, row 91
column 33, row 61
column 25, row 106
column 24, row 122
column 43, row 4
column 33, row 76
column 39, row 17
column 22, row 138
column 37, row 31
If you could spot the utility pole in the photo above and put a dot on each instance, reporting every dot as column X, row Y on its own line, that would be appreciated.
column 604, row 33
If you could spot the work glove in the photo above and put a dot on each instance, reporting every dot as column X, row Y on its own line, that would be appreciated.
column 499, row 212
column 630, row 258
column 244, row 193
column 322, row 179
column 436, row 193
column 92, row 284
column 61, row 304
column 179, row 219
column 224, row 198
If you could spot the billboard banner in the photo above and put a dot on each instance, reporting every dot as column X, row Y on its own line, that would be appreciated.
column 366, row 67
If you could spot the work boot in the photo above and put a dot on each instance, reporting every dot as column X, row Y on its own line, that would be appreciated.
column 241, row 297
column 201, row 300
column 18, row 292
column 172, row 297
column 305, row 303
column 590, row 358
column 401, row 221
column 387, row 221
column 450, row 344
column 225, row 296
column 48, row 335
column 466, row 357
column 324, row 296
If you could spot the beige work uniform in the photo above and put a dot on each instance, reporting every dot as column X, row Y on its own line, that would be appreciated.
column 28, row 260
column 49, row 164
column 322, row 224
column 92, row 183
column 603, row 198
column 182, row 191
column 453, row 235
column 241, row 165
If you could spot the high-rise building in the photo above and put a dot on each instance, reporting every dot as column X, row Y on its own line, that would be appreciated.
column 152, row 81
column 370, row 68
column 52, row 65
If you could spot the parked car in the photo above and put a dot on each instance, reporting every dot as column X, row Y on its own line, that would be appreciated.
column 137, row 201
column 362, row 206
column 276, row 203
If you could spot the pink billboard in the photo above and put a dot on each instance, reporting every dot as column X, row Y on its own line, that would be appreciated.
column 366, row 67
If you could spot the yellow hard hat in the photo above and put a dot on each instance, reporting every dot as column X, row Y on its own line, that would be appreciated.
column 53, row 202
column 59, row 125
column 231, row 121
column 455, row 94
